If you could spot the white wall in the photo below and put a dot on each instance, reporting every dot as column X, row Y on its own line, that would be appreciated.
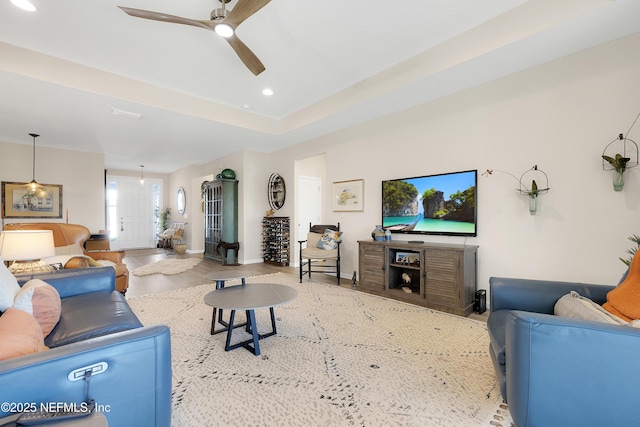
column 559, row 116
column 191, row 177
column 80, row 174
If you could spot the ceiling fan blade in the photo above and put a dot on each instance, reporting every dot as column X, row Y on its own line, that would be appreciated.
column 244, row 9
column 163, row 17
column 246, row 56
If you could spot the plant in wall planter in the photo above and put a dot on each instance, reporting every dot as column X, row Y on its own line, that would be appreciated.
column 533, row 192
column 533, row 197
column 618, row 165
column 625, row 157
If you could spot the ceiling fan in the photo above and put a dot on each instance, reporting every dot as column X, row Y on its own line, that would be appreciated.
column 222, row 21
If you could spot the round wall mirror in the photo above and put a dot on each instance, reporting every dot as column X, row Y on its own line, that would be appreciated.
column 277, row 191
column 181, row 200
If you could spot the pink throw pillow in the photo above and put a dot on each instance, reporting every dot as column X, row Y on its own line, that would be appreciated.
column 20, row 334
column 42, row 301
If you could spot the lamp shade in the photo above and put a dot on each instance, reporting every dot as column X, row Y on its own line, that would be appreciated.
column 25, row 245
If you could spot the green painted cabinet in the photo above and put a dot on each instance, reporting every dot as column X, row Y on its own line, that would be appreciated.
column 221, row 219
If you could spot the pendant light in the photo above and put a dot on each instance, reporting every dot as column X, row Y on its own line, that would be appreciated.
column 141, row 174
column 34, row 184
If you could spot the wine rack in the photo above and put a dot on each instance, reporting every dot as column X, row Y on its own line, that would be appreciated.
column 276, row 243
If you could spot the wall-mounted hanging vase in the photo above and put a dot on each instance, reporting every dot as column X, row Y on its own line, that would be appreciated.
column 539, row 184
column 618, row 156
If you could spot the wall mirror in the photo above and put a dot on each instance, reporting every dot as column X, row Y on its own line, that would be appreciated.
column 277, row 191
column 181, row 200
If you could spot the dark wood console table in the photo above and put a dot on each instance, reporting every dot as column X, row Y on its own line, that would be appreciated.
column 438, row 276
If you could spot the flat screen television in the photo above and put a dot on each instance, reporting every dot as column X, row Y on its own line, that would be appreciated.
column 443, row 204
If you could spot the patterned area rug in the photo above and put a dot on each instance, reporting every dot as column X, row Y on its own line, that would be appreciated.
column 341, row 358
column 167, row 266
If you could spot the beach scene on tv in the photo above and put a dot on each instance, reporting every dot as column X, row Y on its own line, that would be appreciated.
column 438, row 204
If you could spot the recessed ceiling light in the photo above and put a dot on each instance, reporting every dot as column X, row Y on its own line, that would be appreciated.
column 125, row 113
column 246, row 106
column 267, row 92
column 24, row 5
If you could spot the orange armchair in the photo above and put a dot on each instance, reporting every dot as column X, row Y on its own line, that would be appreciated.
column 70, row 234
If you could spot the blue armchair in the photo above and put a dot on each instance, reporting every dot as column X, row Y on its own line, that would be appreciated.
column 557, row 371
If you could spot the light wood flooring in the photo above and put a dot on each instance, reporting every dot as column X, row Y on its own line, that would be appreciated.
column 155, row 283
column 159, row 282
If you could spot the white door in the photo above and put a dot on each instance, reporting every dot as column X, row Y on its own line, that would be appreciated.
column 309, row 207
column 133, row 216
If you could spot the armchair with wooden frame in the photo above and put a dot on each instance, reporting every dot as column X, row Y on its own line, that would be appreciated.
column 316, row 251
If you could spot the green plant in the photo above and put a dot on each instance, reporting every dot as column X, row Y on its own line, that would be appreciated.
column 618, row 162
column 534, row 189
column 632, row 251
column 203, row 188
column 165, row 215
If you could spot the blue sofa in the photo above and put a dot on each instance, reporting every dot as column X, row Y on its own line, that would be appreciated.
column 557, row 371
column 131, row 383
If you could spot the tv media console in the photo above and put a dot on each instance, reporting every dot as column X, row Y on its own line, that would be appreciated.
column 438, row 276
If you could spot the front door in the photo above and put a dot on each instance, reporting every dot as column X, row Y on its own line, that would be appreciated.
column 132, row 216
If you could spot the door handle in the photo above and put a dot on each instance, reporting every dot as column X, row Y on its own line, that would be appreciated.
column 121, row 224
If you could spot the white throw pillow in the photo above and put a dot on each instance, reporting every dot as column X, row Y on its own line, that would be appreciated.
column 9, row 287
column 72, row 249
column 578, row 307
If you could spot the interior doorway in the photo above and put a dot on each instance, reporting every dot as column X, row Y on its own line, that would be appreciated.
column 309, row 203
column 132, row 211
column 310, row 174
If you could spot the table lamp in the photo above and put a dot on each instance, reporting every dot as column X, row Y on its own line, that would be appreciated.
column 26, row 248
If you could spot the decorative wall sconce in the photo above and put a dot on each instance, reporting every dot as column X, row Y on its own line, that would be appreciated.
column 535, row 189
column 619, row 155
column 532, row 192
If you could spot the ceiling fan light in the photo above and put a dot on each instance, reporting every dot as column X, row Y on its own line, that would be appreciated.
column 24, row 5
column 224, row 30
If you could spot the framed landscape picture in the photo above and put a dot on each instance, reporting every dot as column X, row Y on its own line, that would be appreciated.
column 348, row 195
column 20, row 201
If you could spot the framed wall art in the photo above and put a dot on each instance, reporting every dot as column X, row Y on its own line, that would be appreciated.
column 20, row 201
column 348, row 196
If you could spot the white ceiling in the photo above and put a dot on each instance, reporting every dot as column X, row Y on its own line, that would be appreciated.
column 331, row 64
